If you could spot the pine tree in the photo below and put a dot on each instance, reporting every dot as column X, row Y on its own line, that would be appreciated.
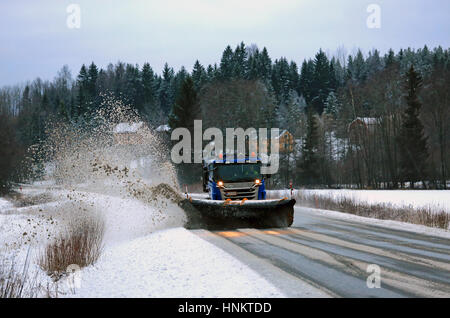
column 83, row 91
column 8, row 147
column 389, row 59
column 62, row 110
column 309, row 165
column 239, row 60
column 148, row 84
column 253, row 63
column 359, row 68
column 321, row 81
column 92, row 80
column 150, row 109
column 186, row 108
column 281, row 80
column 333, row 83
column 412, row 141
column 264, row 66
column 294, row 77
column 166, row 92
column 212, row 72
column 132, row 86
column 332, row 105
column 294, row 112
column 306, row 78
column 373, row 63
column 226, row 64
column 199, row 76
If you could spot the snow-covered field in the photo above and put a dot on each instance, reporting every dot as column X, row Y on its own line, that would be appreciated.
column 436, row 199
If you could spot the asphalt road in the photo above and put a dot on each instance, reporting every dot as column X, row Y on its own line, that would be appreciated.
column 335, row 256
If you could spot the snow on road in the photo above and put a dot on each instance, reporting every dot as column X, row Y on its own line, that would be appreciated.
column 171, row 263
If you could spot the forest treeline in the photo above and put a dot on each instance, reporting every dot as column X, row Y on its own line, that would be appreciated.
column 363, row 120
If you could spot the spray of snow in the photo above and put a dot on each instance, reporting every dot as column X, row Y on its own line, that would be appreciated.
column 125, row 175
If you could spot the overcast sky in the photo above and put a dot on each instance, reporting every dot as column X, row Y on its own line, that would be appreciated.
column 35, row 39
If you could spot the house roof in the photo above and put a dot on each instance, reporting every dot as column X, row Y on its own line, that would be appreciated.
column 283, row 132
column 367, row 120
column 163, row 128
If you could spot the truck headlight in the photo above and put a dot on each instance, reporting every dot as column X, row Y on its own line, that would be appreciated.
column 258, row 182
column 220, row 184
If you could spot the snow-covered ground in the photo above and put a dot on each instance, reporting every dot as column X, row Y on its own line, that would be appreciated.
column 4, row 204
column 171, row 263
column 436, row 199
column 395, row 225
column 147, row 252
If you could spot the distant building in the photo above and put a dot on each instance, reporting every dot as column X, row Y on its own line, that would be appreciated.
column 129, row 133
column 368, row 123
column 286, row 141
column 361, row 128
column 163, row 128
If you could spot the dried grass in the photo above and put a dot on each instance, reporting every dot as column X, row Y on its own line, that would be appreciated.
column 81, row 246
column 15, row 282
column 428, row 216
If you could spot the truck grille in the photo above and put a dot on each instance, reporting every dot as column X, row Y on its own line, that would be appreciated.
column 239, row 193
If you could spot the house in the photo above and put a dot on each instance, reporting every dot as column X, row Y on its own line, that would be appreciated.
column 286, row 141
column 163, row 128
column 129, row 133
column 368, row 123
column 360, row 129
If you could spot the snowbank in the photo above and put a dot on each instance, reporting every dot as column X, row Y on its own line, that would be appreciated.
column 395, row 225
column 4, row 204
column 171, row 263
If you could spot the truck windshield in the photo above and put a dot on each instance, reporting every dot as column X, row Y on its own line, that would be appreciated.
column 238, row 172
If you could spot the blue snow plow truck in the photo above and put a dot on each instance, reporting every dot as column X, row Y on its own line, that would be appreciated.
column 237, row 196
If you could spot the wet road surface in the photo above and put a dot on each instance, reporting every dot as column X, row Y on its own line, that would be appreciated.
column 337, row 256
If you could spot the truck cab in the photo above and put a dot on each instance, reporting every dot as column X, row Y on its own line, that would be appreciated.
column 234, row 179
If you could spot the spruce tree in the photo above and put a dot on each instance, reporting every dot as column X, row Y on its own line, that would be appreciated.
column 412, row 141
column 389, row 59
column 8, row 147
column 332, row 105
column 320, row 87
column 186, row 108
column 92, row 80
column 309, row 165
column 281, row 80
column 199, row 75
column 359, row 68
column 239, row 60
column 166, row 93
column 148, row 84
column 83, row 93
column 226, row 64
column 265, row 66
column 306, row 78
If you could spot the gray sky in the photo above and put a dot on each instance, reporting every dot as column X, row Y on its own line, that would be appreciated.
column 36, row 41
